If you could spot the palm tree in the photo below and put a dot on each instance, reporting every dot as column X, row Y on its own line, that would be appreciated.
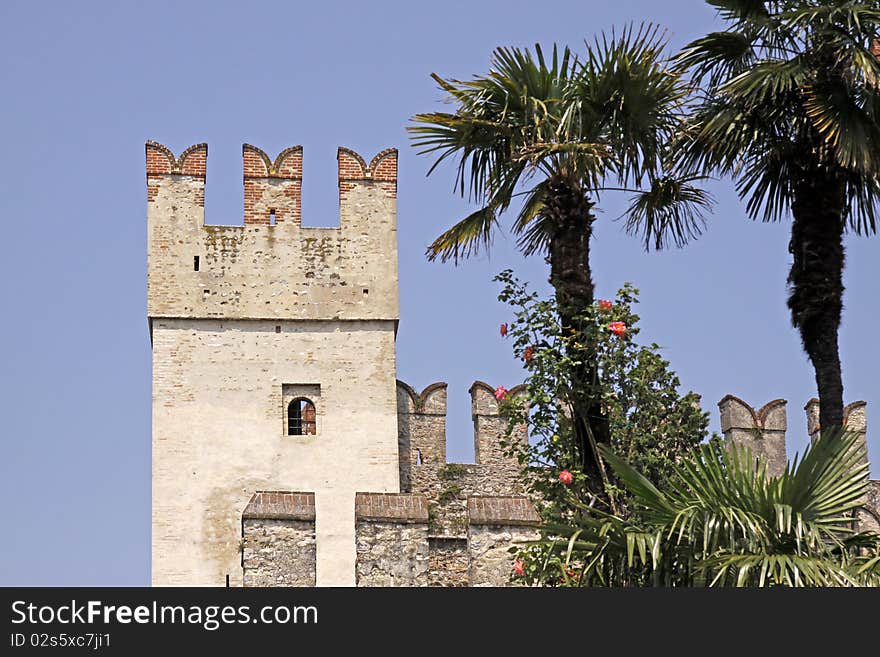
column 558, row 133
column 724, row 522
column 791, row 109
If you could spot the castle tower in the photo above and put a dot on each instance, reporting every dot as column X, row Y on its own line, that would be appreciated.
column 273, row 357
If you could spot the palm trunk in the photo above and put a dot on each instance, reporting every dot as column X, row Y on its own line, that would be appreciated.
column 816, row 283
column 570, row 212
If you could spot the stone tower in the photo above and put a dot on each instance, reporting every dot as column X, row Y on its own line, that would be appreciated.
column 273, row 357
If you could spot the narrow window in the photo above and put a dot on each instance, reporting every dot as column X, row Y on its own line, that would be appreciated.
column 278, row 328
column 301, row 417
column 419, row 460
column 271, row 216
column 195, row 263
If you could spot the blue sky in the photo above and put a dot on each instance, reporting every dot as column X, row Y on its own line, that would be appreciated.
column 85, row 84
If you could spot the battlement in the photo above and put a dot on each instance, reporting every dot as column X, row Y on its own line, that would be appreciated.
column 271, row 267
column 762, row 430
column 453, row 524
column 421, row 421
column 421, row 431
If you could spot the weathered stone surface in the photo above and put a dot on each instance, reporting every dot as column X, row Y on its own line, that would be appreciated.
column 490, row 427
column 447, row 488
column 278, row 552
column 392, row 554
column 869, row 515
column 761, row 431
column 422, row 432
column 421, row 428
column 448, row 562
column 489, row 546
column 285, row 271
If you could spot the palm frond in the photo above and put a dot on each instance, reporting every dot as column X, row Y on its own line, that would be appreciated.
column 740, row 9
column 670, row 211
column 465, row 238
column 608, row 115
column 718, row 56
column 843, row 123
column 790, row 88
column 725, row 522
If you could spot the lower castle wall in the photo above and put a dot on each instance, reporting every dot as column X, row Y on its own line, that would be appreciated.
column 448, row 562
column 488, row 552
column 278, row 552
column 448, row 486
column 869, row 517
column 391, row 554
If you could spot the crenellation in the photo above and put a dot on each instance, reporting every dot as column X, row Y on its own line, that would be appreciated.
column 265, row 270
column 761, row 431
column 854, row 420
column 421, row 428
column 272, row 190
column 490, row 426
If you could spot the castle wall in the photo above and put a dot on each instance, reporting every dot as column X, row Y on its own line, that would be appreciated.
column 218, row 435
column 869, row 515
column 392, row 540
column 268, row 311
column 262, row 271
column 278, row 540
column 422, row 445
column 448, row 562
column 421, row 428
column 762, row 431
column 495, row 524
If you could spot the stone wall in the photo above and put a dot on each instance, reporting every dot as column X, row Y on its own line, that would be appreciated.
column 259, row 270
column 421, row 428
column 762, row 431
column 392, row 540
column 448, row 562
column 869, row 515
column 495, row 524
column 278, row 540
column 447, row 486
column 238, row 315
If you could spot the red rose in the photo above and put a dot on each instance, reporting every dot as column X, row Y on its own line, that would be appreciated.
column 605, row 305
column 566, row 477
column 617, row 328
column 500, row 393
column 529, row 354
column 503, row 330
column 519, row 567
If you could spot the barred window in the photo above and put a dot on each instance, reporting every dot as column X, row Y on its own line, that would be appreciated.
column 301, row 417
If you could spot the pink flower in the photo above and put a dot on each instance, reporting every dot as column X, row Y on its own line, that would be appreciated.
column 519, row 567
column 500, row 393
column 566, row 477
column 503, row 329
column 617, row 328
column 605, row 305
column 529, row 354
